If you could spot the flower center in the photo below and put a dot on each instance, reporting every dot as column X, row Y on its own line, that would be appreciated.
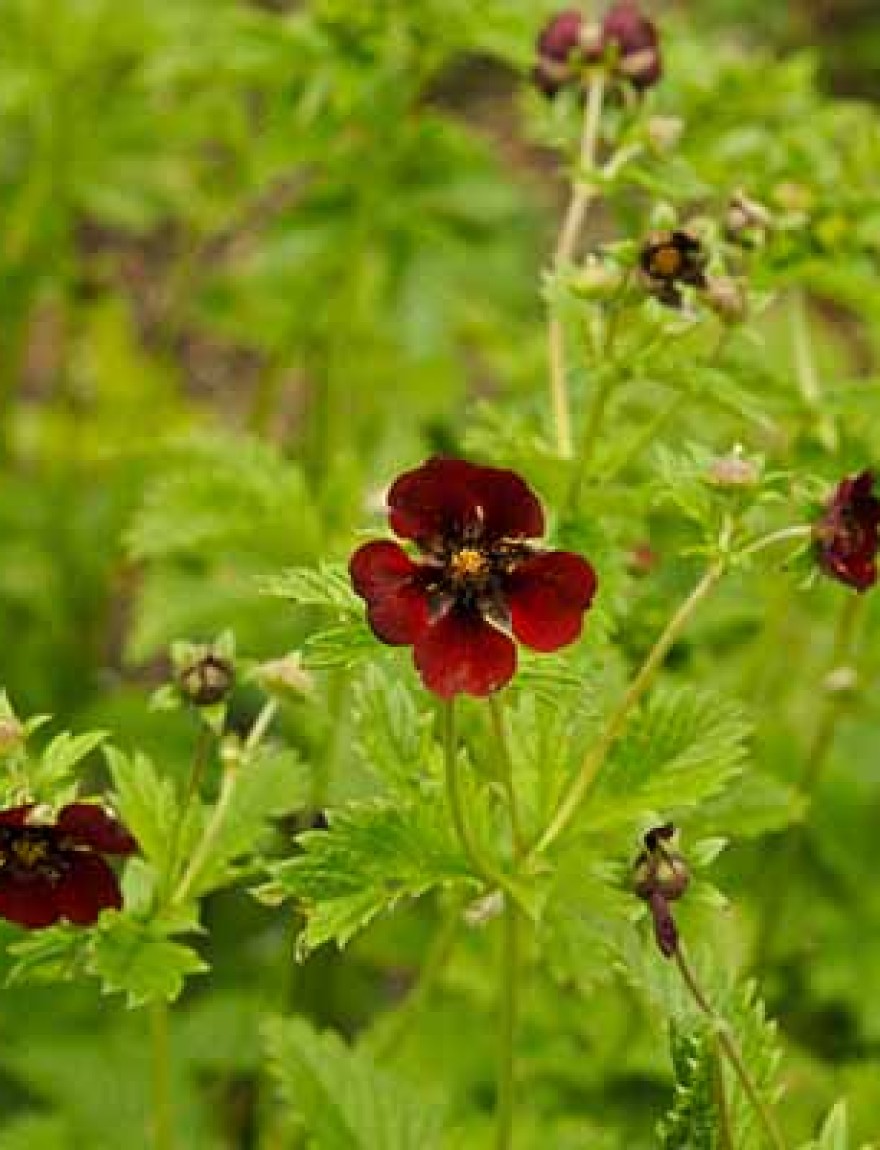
column 468, row 565
column 666, row 261
column 29, row 852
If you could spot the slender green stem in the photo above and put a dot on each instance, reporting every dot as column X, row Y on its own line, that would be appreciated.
column 569, row 234
column 202, row 853
column 731, row 1051
column 456, row 804
column 595, row 416
column 507, row 1034
column 580, row 786
column 163, row 1138
column 499, row 727
column 193, row 785
column 785, row 535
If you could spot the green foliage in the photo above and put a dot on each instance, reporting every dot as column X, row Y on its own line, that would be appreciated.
column 340, row 1099
column 140, row 961
column 371, row 858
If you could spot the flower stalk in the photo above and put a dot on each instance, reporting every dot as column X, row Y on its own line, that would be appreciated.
column 572, row 226
column 731, row 1051
column 580, row 786
column 510, row 945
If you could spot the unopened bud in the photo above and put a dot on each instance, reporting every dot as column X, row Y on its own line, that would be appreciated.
column 664, row 132
column 747, row 221
column 734, row 471
column 727, row 299
column 207, row 680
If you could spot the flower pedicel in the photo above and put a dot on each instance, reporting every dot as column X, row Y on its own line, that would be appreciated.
column 479, row 583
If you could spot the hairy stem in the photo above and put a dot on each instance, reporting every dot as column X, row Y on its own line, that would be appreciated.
column 163, row 1138
column 732, row 1053
column 496, row 710
column 202, row 853
column 725, row 1128
column 580, row 786
column 572, row 225
column 507, row 1034
column 456, row 805
column 193, row 785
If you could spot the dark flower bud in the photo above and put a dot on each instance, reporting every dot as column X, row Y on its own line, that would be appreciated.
column 847, row 537
column 565, row 41
column 637, row 42
column 207, row 680
column 661, row 876
column 669, row 259
column 746, row 222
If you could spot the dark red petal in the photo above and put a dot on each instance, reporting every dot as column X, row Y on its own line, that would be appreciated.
column 453, row 500
column 394, row 588
column 629, row 28
column 561, row 35
column 86, row 888
column 89, row 825
column 16, row 816
column 547, row 595
column 510, row 509
column 434, row 502
column 463, row 654
column 28, row 901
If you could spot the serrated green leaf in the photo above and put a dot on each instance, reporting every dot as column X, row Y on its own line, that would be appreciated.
column 147, row 803
column 372, row 856
column 269, row 784
column 57, row 762
column 140, row 961
column 327, row 585
column 340, row 1099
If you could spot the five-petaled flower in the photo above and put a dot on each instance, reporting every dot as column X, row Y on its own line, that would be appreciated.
column 56, row 870
column 479, row 582
column 847, row 537
column 670, row 259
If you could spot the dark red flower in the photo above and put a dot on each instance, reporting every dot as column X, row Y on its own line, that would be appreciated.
column 848, row 535
column 637, row 42
column 478, row 579
column 53, row 871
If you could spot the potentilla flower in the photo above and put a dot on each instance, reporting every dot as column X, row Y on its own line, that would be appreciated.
column 479, row 582
column 847, row 537
column 669, row 259
column 54, row 871
column 637, row 42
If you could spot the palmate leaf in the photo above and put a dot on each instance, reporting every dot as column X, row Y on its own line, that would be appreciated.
column 141, row 961
column 372, row 857
column 340, row 1099
column 327, row 585
column 684, row 747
